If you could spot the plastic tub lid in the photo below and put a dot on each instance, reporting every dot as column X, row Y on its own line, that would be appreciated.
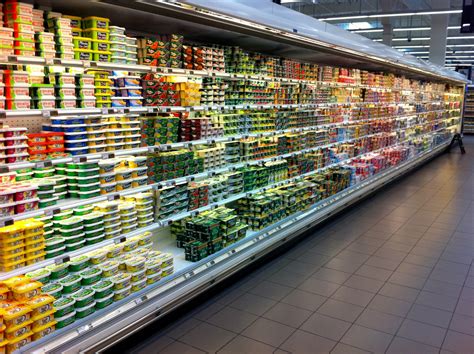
column 109, row 233
column 94, row 231
column 89, row 192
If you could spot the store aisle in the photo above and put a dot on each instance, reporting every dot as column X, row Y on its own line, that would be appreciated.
column 394, row 275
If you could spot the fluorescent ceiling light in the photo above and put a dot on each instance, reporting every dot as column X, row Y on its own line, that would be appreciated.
column 378, row 40
column 395, row 14
column 359, row 25
column 461, row 52
column 410, row 46
column 373, row 30
column 402, row 29
column 401, row 39
column 413, row 39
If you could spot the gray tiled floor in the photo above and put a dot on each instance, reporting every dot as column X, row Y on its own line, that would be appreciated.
column 394, row 275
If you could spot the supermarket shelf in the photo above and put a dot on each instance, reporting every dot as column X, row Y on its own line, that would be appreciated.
column 168, row 221
column 74, row 203
column 105, row 326
column 47, row 113
column 165, row 71
column 187, row 144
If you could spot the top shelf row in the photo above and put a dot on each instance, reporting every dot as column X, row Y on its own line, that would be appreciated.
column 166, row 71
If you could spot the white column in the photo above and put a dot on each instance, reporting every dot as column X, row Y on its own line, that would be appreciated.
column 439, row 33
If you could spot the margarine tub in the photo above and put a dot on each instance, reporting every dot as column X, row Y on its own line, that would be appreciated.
column 58, row 271
column 167, row 271
column 25, row 292
column 104, row 302
column 137, row 276
column 139, row 285
column 41, row 275
column 137, row 161
column 70, row 283
column 16, row 315
column 92, row 218
column 153, row 266
column 102, row 289
column 109, row 268
column 18, row 342
column 43, row 319
column 53, row 289
column 40, row 305
column 65, row 320
column 83, row 211
column 122, row 293
column 44, row 330
column 12, row 333
column 153, row 278
column 79, row 263
column 145, row 238
column 90, row 276
column 121, row 281
column 114, row 250
column 82, row 312
column 98, row 257
column 107, row 166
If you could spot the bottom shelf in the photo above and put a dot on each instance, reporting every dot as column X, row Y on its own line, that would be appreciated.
column 127, row 316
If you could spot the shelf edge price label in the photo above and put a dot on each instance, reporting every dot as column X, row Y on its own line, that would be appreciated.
column 120, row 240
column 62, row 260
column 6, row 222
column 189, row 274
column 112, row 197
column 141, row 299
column 84, row 328
column 43, row 164
column 79, row 159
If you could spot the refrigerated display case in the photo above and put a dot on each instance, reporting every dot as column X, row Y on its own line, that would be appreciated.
column 203, row 162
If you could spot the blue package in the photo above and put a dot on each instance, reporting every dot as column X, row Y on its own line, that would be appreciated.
column 75, row 144
column 79, row 152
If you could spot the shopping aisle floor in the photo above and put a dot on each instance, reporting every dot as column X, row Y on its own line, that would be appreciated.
column 394, row 275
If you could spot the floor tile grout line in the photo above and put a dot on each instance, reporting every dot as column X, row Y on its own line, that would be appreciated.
column 414, row 302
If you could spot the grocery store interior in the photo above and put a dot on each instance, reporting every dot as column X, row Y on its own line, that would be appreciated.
column 236, row 176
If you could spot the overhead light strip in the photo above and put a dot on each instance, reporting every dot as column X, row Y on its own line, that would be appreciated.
column 394, row 14
column 401, row 29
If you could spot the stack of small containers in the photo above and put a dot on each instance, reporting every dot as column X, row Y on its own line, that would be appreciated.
column 38, row 20
column 63, row 35
column 122, row 47
column 45, row 44
column 6, row 46
column 19, row 16
column 85, row 91
column 21, row 243
column 103, row 91
column 17, row 84
column 97, row 29
column 159, row 130
column 118, row 45
column 14, row 149
column 42, row 146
